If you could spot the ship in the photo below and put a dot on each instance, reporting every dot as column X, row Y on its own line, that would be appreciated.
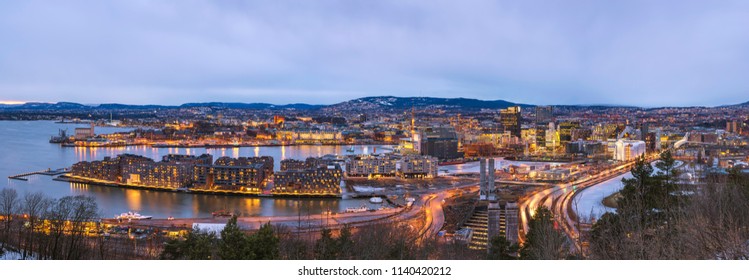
column 359, row 209
column 375, row 199
column 132, row 216
column 222, row 213
column 454, row 162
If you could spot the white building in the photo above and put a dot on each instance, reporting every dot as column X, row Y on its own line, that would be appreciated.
column 628, row 149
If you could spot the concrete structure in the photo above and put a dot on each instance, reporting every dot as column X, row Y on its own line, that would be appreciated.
column 503, row 220
column 626, row 150
column 482, row 179
column 486, row 183
column 82, row 133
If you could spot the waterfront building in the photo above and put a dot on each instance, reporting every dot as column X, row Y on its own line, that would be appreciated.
column 416, row 166
column 84, row 132
column 250, row 177
column 293, row 164
column 375, row 165
column 265, row 161
column 310, row 136
column 171, row 175
column 176, row 158
column 318, row 180
column 108, row 169
column 511, row 120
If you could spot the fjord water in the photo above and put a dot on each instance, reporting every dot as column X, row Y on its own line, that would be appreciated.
column 26, row 148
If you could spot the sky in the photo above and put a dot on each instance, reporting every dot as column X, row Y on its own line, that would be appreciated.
column 644, row 53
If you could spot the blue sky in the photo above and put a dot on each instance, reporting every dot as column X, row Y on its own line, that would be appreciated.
column 646, row 53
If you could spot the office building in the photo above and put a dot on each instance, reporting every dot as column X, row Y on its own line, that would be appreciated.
column 440, row 142
column 511, row 120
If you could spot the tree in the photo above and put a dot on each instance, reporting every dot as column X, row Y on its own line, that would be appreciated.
column 197, row 245
column 543, row 240
column 34, row 206
column 9, row 204
column 667, row 164
column 501, row 249
column 345, row 242
column 264, row 243
column 234, row 244
column 325, row 247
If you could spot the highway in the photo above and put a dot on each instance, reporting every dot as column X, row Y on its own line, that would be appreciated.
column 559, row 199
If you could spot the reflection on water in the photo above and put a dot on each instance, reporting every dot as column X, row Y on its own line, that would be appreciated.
column 26, row 148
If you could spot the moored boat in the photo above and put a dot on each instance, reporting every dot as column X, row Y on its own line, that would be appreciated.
column 132, row 216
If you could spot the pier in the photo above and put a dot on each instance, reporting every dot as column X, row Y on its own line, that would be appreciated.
column 48, row 172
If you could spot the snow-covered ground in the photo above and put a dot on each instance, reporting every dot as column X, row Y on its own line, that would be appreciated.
column 589, row 202
column 9, row 255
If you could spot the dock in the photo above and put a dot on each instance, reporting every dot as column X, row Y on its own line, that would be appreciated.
column 48, row 172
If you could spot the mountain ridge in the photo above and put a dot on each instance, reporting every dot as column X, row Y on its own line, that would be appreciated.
column 363, row 103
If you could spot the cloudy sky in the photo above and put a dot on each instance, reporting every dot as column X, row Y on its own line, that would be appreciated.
column 647, row 53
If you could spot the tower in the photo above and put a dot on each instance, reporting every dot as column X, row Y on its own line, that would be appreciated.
column 482, row 176
column 490, row 192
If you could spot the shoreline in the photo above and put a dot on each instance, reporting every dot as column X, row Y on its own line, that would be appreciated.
column 223, row 146
column 69, row 179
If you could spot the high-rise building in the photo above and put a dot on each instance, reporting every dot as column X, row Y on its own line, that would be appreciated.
column 511, row 120
column 565, row 131
column 440, row 142
column 544, row 116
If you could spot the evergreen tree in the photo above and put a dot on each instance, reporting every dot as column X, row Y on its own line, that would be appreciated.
column 264, row 243
column 344, row 243
column 501, row 249
column 543, row 240
column 234, row 244
column 197, row 245
column 325, row 247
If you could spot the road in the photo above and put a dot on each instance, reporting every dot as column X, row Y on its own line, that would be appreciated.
column 559, row 198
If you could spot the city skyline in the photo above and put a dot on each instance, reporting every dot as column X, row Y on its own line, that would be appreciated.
column 686, row 53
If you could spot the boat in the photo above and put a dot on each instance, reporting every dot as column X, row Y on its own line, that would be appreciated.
column 132, row 216
column 350, row 150
column 375, row 199
column 457, row 161
column 359, row 209
column 222, row 213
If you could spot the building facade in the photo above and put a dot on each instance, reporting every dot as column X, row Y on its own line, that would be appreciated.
column 416, row 166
